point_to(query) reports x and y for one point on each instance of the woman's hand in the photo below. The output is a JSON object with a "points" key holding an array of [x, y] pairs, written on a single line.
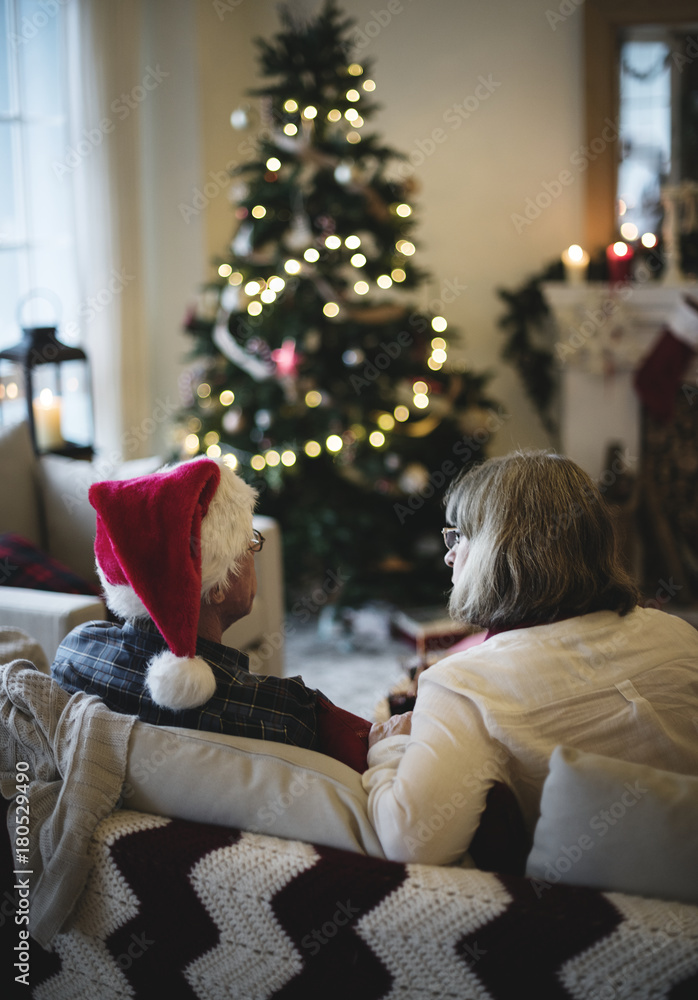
{"points": [[397, 725]]}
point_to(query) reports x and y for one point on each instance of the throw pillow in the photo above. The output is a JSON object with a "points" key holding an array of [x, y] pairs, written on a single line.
{"points": [[19, 497], [70, 517], [22, 564], [617, 826]]}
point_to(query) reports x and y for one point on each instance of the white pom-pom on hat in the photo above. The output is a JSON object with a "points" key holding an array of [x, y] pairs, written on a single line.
{"points": [[179, 682]]}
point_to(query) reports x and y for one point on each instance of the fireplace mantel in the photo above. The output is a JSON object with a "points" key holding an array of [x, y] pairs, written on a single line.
{"points": [[602, 333]]}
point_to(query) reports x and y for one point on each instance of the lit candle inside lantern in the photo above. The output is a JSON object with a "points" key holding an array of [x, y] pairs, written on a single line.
{"points": [[619, 257], [576, 262], [47, 421]]}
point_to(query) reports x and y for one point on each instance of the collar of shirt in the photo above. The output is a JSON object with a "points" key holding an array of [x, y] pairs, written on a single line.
{"points": [[225, 657]]}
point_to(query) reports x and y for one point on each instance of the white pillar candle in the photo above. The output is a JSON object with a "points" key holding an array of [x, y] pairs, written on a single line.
{"points": [[576, 262], [47, 421]]}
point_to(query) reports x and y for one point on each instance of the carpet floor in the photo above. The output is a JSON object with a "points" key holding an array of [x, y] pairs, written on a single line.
{"points": [[355, 671]]}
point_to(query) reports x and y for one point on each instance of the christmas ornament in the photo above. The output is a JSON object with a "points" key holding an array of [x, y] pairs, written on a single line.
{"points": [[286, 358]]}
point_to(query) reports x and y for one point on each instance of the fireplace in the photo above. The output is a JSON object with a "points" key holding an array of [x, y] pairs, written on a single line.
{"points": [[648, 468]]}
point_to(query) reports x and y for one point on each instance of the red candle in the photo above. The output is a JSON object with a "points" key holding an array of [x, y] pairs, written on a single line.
{"points": [[619, 258]]}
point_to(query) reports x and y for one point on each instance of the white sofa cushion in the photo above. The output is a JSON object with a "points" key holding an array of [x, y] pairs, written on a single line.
{"points": [[19, 499], [70, 518], [253, 785], [612, 825]]}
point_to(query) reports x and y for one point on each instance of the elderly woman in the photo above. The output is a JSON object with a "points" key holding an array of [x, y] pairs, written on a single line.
{"points": [[568, 658]]}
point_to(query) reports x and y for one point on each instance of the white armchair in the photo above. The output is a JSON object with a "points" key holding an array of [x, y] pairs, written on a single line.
{"points": [[44, 500]]}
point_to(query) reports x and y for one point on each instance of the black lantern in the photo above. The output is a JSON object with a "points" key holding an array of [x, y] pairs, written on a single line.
{"points": [[48, 384]]}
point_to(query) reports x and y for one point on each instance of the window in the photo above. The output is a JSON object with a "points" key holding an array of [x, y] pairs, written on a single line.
{"points": [[645, 134], [36, 206], [606, 24]]}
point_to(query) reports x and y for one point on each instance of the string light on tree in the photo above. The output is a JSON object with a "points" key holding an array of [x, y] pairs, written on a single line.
{"points": [[334, 443], [323, 223]]}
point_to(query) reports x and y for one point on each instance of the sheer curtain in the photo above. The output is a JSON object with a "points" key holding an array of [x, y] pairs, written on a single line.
{"points": [[105, 74]]}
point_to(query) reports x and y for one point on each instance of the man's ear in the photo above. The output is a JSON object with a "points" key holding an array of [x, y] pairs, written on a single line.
{"points": [[217, 595]]}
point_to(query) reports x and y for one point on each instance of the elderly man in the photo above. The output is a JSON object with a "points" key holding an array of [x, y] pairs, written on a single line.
{"points": [[175, 554]]}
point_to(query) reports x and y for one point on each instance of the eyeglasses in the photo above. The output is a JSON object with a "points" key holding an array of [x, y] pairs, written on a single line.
{"points": [[258, 541], [451, 537]]}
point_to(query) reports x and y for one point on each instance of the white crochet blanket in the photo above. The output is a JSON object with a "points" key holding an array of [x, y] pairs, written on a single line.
{"points": [[182, 910]]}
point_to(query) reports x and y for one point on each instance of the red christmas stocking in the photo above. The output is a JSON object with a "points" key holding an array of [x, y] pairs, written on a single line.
{"points": [[659, 375]]}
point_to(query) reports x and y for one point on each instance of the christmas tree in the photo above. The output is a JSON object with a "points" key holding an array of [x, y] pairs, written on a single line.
{"points": [[315, 375]]}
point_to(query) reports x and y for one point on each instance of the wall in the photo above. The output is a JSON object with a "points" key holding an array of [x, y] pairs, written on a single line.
{"points": [[514, 66]]}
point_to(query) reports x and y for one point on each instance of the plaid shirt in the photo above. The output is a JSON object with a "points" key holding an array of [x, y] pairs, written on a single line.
{"points": [[110, 660]]}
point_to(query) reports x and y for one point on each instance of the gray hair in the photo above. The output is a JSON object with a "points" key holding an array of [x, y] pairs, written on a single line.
{"points": [[542, 543]]}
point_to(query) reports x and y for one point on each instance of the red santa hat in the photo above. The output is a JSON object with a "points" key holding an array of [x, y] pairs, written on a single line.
{"points": [[163, 542]]}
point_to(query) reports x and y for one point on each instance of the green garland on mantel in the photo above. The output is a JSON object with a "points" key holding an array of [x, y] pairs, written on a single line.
{"points": [[529, 329], [527, 346]]}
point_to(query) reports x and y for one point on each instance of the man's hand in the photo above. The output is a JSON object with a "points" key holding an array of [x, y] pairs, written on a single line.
{"points": [[397, 725]]}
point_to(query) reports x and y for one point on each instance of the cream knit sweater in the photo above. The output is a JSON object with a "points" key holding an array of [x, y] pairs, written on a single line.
{"points": [[73, 750]]}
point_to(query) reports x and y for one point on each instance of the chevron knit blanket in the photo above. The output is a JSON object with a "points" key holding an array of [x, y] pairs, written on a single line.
{"points": [[182, 910]]}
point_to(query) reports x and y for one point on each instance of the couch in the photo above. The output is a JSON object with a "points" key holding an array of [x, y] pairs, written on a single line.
{"points": [[223, 867], [44, 503]]}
